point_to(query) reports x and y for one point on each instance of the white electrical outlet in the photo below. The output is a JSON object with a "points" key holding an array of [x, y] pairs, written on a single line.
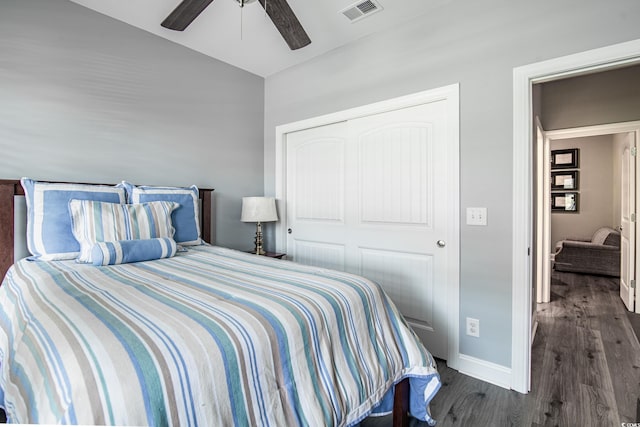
{"points": [[476, 216], [473, 327]]}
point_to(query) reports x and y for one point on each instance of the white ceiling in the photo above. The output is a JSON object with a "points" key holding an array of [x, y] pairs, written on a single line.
{"points": [[259, 48]]}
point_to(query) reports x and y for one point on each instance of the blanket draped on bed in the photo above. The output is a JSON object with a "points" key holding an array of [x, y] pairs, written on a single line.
{"points": [[211, 337]]}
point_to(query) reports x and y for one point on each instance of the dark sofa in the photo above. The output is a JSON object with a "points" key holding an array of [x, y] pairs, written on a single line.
{"points": [[600, 255]]}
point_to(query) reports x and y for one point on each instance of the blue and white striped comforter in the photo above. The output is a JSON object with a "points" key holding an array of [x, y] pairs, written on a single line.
{"points": [[212, 337]]}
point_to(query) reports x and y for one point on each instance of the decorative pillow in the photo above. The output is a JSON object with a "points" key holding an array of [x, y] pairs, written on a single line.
{"points": [[125, 251], [186, 219], [49, 235], [94, 222]]}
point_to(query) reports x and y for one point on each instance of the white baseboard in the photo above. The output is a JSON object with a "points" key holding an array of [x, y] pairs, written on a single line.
{"points": [[486, 371]]}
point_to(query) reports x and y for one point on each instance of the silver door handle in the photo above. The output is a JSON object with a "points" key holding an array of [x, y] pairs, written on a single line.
{"points": [[441, 243]]}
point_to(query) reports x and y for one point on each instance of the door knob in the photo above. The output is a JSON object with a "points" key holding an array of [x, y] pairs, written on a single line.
{"points": [[441, 243], [289, 230]]}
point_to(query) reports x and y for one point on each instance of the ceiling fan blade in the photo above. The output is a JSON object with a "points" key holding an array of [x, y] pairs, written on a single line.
{"points": [[184, 14], [287, 23]]}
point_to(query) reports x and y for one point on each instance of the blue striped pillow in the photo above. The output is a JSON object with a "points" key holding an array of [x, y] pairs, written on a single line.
{"points": [[94, 222], [49, 234], [186, 219], [125, 251]]}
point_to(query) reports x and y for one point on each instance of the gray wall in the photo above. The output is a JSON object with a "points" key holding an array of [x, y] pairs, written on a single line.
{"points": [[607, 97], [476, 44], [596, 186], [84, 97]]}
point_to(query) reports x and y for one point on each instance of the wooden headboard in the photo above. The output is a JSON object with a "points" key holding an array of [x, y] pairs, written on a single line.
{"points": [[10, 188]]}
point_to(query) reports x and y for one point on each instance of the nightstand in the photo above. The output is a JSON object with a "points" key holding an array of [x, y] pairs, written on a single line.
{"points": [[270, 254]]}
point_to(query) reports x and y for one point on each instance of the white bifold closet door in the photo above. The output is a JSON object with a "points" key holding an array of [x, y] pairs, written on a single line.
{"points": [[368, 196]]}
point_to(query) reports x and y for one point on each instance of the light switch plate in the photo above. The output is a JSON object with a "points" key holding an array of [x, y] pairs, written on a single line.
{"points": [[476, 216]]}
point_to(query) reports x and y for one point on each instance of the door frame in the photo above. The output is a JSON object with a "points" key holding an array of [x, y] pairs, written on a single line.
{"points": [[523, 78], [450, 94]]}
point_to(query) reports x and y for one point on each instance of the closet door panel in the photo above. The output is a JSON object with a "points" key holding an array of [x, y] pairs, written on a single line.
{"points": [[316, 196], [397, 212], [368, 196]]}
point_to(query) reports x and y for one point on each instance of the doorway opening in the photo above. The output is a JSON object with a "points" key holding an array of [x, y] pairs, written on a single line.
{"points": [[600, 187], [607, 58]]}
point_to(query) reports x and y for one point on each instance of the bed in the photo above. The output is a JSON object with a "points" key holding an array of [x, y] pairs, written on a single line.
{"points": [[208, 336]]}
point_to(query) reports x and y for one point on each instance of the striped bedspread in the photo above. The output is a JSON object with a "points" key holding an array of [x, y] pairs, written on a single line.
{"points": [[211, 337]]}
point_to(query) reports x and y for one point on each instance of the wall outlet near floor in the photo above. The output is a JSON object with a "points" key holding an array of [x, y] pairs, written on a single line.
{"points": [[473, 327]]}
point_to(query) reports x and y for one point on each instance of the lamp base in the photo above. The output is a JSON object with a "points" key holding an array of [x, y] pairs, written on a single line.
{"points": [[258, 249]]}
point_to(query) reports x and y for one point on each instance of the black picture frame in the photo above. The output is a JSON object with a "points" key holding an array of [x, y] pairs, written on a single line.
{"points": [[564, 180], [567, 201], [565, 159]]}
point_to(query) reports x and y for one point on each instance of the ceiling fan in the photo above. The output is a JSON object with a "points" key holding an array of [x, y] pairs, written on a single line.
{"points": [[278, 10]]}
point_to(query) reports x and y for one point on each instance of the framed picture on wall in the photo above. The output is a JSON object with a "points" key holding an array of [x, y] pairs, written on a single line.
{"points": [[564, 180], [564, 202], [564, 159]]}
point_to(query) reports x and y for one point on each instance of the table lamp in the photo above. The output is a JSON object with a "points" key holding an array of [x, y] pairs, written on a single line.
{"points": [[259, 210]]}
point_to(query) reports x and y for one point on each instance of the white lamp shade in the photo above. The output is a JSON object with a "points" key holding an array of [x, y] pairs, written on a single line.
{"points": [[258, 209]]}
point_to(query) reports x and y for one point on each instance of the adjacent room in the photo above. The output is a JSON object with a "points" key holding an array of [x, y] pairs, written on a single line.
{"points": [[587, 187], [279, 212]]}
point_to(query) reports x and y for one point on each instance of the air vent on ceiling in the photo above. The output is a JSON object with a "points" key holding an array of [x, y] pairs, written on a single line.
{"points": [[361, 9]]}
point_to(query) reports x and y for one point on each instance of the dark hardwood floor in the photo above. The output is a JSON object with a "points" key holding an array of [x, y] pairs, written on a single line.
{"points": [[585, 367]]}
